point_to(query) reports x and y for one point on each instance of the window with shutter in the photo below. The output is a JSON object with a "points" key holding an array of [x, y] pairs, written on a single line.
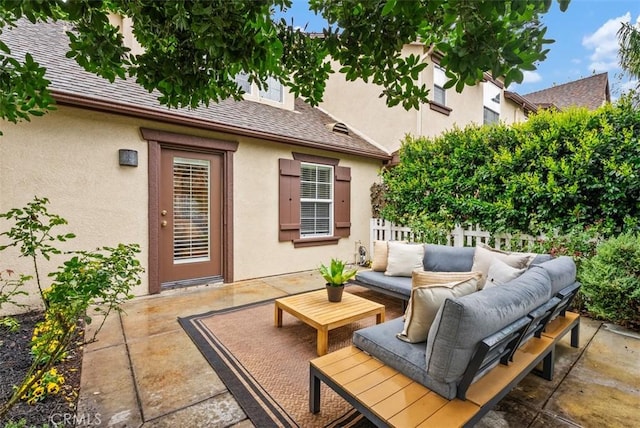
{"points": [[315, 199]]}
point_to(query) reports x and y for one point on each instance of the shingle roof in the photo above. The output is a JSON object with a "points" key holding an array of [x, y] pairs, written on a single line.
{"points": [[72, 85], [590, 92]]}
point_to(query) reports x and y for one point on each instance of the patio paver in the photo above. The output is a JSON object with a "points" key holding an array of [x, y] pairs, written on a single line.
{"points": [[594, 385]]}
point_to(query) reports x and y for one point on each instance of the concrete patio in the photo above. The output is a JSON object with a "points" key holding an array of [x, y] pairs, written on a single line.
{"points": [[144, 371]]}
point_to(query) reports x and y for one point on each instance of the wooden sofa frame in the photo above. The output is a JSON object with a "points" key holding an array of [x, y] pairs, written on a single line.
{"points": [[388, 398]]}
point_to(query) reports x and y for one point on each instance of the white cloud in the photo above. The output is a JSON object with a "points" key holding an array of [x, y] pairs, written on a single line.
{"points": [[531, 77], [628, 85], [604, 44]]}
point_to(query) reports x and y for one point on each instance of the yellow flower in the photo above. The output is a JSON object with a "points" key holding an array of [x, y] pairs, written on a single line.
{"points": [[38, 392], [53, 372], [31, 401], [52, 388]]}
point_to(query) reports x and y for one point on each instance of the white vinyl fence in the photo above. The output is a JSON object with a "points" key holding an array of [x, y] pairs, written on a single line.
{"points": [[383, 230]]}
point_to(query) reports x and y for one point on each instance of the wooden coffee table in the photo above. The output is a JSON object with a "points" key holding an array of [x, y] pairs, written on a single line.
{"points": [[314, 309]]}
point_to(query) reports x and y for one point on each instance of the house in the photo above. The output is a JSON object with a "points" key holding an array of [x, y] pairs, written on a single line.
{"points": [[238, 190], [590, 92], [486, 102]]}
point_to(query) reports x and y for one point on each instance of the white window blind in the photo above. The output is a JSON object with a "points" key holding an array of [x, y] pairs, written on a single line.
{"points": [[316, 200], [191, 216]]}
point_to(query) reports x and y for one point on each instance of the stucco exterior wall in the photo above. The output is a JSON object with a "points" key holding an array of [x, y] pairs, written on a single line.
{"points": [[466, 107], [257, 250], [71, 157], [511, 112], [357, 103]]}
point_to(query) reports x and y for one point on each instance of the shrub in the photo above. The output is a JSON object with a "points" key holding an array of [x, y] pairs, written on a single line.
{"points": [[103, 277], [611, 280], [558, 170]]}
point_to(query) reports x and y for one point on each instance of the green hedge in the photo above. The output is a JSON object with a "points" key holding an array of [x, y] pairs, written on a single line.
{"points": [[556, 171], [611, 280]]}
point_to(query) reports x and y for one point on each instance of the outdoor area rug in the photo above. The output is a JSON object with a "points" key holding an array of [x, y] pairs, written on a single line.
{"points": [[266, 368]]}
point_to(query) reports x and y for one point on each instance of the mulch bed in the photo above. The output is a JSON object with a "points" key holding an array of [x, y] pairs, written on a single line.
{"points": [[15, 361]]}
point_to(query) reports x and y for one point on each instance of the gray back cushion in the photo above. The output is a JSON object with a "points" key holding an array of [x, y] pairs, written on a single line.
{"points": [[541, 258], [463, 322], [443, 258], [562, 271]]}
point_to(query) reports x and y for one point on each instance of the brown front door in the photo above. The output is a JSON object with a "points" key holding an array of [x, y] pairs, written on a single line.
{"points": [[190, 216]]}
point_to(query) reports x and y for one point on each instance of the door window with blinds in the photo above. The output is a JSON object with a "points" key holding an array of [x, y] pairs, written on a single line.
{"points": [[316, 200], [191, 210]]}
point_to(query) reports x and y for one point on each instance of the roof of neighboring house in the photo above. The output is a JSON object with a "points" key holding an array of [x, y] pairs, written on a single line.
{"points": [[73, 86], [590, 92]]}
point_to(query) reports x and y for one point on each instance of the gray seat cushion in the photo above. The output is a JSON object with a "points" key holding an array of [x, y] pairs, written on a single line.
{"points": [[442, 258], [463, 322], [396, 284], [408, 358]]}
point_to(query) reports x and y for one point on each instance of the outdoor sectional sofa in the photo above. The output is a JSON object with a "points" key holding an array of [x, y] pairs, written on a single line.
{"points": [[502, 326]]}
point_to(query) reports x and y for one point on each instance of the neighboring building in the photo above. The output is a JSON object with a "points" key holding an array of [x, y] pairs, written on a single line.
{"points": [[234, 191], [591, 92], [359, 104]]}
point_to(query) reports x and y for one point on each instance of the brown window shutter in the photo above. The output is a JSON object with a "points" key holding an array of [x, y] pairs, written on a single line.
{"points": [[342, 201], [289, 204]]}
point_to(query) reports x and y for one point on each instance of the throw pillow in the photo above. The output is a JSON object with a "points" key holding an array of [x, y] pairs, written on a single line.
{"points": [[424, 305], [404, 258], [380, 254], [424, 277], [484, 256], [501, 273]]}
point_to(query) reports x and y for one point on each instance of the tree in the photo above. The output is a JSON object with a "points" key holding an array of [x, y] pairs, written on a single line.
{"points": [[194, 49], [629, 52]]}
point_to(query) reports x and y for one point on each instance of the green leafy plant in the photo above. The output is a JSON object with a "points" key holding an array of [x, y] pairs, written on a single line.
{"points": [[32, 234], [337, 274], [10, 288], [102, 278], [611, 280]]}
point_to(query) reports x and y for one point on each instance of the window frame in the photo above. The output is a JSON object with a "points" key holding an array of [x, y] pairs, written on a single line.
{"points": [[490, 93], [439, 79], [329, 201]]}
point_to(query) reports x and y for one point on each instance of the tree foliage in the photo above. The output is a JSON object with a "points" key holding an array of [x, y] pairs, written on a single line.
{"points": [[629, 52], [194, 49], [557, 171]]}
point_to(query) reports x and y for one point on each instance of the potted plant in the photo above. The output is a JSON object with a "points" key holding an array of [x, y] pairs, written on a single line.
{"points": [[336, 276]]}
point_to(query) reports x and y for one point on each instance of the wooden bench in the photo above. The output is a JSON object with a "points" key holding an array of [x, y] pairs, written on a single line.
{"points": [[388, 398]]}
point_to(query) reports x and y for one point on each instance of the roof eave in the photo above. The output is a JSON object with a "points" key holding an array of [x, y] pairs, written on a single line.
{"points": [[75, 100], [527, 105]]}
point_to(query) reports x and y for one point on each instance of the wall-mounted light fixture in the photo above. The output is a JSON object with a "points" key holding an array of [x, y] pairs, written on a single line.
{"points": [[128, 157]]}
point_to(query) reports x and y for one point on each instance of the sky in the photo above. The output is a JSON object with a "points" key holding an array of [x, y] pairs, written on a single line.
{"points": [[585, 42]]}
